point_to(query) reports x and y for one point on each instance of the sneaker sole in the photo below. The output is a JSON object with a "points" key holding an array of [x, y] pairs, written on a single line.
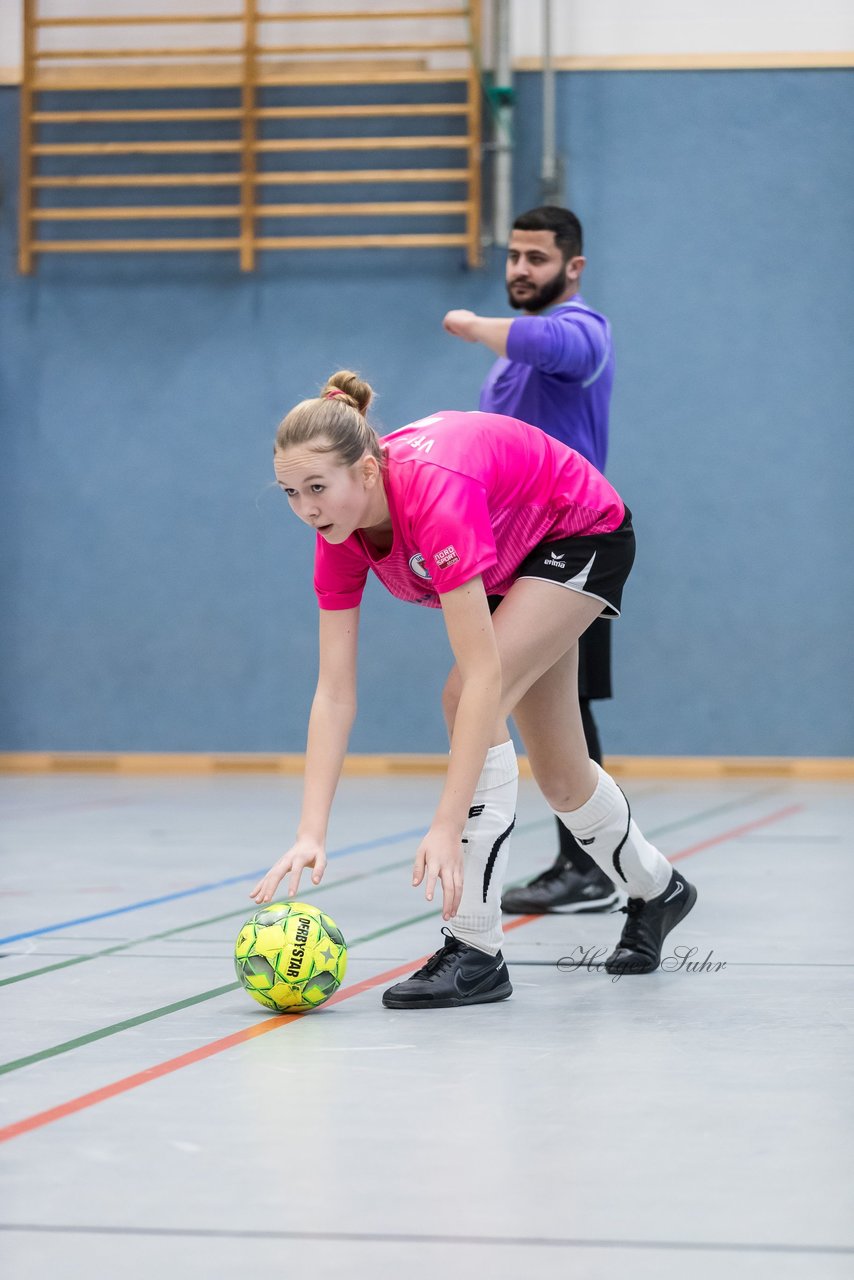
{"points": [[570, 909], [628, 970], [455, 1002]]}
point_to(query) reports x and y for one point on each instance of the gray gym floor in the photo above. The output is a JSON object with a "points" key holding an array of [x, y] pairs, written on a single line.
{"points": [[684, 1124]]}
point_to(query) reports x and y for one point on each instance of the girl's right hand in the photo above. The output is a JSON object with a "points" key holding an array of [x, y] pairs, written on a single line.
{"points": [[306, 852]]}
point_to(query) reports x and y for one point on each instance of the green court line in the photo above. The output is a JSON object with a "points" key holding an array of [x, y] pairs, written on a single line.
{"points": [[185, 928], [391, 866], [227, 915], [233, 986], [152, 1015], [141, 1018], [92, 1036], [712, 813]]}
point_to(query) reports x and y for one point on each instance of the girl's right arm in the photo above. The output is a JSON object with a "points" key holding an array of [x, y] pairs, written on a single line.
{"points": [[332, 713]]}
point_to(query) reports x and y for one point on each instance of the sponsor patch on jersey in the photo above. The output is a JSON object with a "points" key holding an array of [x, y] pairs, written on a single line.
{"points": [[445, 557], [416, 564]]}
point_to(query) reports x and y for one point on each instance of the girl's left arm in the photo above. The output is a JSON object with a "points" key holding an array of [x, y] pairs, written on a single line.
{"points": [[472, 640]]}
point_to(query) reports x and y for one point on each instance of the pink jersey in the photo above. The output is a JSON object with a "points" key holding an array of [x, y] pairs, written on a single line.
{"points": [[468, 494]]}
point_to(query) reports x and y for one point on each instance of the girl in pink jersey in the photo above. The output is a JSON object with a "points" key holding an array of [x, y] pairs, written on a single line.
{"points": [[521, 543]]}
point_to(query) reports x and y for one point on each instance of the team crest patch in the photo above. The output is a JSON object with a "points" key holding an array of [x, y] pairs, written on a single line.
{"points": [[446, 557], [416, 564]]}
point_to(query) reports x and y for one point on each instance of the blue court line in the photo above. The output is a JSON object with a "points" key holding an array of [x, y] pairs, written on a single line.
{"points": [[205, 888]]}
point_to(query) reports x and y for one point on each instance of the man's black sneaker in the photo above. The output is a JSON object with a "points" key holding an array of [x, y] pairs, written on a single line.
{"points": [[563, 889], [457, 974], [648, 924]]}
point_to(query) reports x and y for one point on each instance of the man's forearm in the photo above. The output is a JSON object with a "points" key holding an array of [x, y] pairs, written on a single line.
{"points": [[491, 331]]}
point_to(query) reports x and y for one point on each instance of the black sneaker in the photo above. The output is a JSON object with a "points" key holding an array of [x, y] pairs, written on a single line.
{"points": [[561, 889], [648, 924], [457, 974]]}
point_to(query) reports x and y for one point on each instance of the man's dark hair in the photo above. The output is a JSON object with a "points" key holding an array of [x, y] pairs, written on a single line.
{"points": [[563, 222]]}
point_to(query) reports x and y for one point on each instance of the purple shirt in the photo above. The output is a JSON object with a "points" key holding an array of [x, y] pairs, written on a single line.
{"points": [[558, 375]]}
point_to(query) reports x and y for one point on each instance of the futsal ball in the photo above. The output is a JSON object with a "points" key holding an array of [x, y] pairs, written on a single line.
{"points": [[290, 957]]}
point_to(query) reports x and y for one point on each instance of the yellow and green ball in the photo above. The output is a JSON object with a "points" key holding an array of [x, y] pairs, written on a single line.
{"points": [[290, 957]]}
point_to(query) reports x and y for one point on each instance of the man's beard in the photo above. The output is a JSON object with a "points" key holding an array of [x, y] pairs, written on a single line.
{"points": [[541, 298]]}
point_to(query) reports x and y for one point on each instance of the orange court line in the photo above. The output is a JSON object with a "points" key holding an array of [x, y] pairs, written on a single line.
{"points": [[737, 831], [207, 1050], [187, 1059], [85, 1100]]}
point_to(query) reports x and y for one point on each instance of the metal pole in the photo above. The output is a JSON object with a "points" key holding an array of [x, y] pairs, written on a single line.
{"points": [[502, 98], [550, 176]]}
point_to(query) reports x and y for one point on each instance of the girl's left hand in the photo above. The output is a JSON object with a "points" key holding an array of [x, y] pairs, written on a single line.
{"points": [[440, 857]]}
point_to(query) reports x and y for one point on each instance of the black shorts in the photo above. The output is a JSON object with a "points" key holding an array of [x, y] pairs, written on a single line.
{"points": [[596, 565]]}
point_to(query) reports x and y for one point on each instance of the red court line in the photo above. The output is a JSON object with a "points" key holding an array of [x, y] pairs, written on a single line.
{"points": [[274, 1023], [737, 831], [187, 1059]]}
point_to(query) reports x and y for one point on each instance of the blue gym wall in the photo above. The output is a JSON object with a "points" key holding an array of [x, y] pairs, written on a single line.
{"points": [[157, 592]]}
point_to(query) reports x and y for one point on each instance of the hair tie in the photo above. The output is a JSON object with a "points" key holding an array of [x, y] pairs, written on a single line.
{"points": [[336, 391]]}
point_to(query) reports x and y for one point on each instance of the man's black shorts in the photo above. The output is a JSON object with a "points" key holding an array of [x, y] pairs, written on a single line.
{"points": [[612, 555]]}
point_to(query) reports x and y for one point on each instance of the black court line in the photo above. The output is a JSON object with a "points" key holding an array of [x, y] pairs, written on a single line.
{"points": [[730, 964], [223, 1043], [791, 964], [387, 1237]]}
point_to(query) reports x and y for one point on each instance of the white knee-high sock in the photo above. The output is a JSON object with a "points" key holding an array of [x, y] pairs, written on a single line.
{"points": [[486, 847], [606, 830]]}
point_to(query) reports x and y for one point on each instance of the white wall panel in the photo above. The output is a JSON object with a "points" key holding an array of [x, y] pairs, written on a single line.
{"points": [[613, 28], [581, 28]]}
